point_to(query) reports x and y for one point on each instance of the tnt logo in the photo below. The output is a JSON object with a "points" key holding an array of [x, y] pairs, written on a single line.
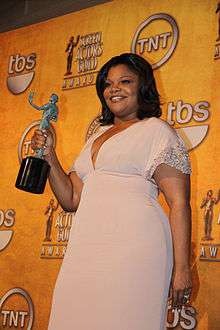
{"points": [[20, 70], [156, 39], [7, 220], [16, 310]]}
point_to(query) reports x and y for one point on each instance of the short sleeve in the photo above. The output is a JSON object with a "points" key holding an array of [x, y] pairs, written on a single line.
{"points": [[167, 148]]}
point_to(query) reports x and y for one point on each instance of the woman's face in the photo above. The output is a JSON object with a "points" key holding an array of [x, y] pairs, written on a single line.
{"points": [[121, 92]]}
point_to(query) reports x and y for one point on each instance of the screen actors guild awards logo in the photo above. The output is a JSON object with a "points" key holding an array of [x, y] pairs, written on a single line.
{"points": [[20, 72], [69, 50], [49, 212], [57, 231], [87, 48], [209, 246]]}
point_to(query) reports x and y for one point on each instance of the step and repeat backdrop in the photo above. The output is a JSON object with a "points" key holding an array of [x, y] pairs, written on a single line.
{"points": [[181, 39]]}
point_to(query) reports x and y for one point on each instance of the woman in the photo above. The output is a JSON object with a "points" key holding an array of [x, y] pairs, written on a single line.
{"points": [[119, 262]]}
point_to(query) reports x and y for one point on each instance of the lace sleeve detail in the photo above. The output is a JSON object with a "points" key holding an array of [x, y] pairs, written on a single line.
{"points": [[174, 156]]}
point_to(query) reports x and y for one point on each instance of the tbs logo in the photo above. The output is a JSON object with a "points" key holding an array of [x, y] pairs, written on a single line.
{"points": [[7, 220], [20, 72]]}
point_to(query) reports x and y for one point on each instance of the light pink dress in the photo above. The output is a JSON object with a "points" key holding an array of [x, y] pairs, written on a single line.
{"points": [[117, 269]]}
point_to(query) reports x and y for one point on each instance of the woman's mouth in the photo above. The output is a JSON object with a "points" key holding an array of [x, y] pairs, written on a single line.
{"points": [[116, 99]]}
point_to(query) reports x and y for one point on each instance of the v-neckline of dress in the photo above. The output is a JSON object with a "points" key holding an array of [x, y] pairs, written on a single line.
{"points": [[111, 137]]}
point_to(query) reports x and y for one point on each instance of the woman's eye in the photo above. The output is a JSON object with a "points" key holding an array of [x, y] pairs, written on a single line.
{"points": [[106, 84], [126, 81]]}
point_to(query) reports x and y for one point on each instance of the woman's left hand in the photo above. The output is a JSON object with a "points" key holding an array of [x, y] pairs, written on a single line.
{"points": [[181, 287]]}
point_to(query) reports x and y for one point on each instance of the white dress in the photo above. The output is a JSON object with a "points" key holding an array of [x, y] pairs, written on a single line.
{"points": [[117, 268]]}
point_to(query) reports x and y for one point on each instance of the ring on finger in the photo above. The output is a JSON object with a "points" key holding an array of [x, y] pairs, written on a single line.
{"points": [[187, 290]]}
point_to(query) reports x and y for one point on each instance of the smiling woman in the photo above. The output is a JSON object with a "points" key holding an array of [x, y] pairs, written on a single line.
{"points": [[123, 251], [139, 80], [120, 93]]}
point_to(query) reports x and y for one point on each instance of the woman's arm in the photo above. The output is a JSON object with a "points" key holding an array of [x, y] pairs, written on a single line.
{"points": [[67, 188], [175, 186]]}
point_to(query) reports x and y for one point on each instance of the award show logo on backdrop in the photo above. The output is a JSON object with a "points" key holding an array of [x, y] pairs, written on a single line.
{"points": [[24, 146], [20, 72], [10, 316], [57, 231], [81, 68], [210, 218], [69, 50], [217, 44], [156, 39], [184, 113], [7, 220], [185, 318]]}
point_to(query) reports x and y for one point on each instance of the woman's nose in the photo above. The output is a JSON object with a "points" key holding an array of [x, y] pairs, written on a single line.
{"points": [[115, 88]]}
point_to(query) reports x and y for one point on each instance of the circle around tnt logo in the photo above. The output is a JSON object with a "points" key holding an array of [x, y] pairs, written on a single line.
{"points": [[24, 146], [14, 316], [156, 39]]}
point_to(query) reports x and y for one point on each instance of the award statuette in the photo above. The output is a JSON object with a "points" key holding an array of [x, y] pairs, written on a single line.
{"points": [[34, 170]]}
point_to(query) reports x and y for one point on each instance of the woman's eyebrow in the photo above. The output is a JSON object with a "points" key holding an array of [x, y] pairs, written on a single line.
{"points": [[124, 76]]}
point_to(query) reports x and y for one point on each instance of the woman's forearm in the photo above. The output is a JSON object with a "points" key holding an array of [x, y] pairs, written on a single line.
{"points": [[60, 183], [180, 221]]}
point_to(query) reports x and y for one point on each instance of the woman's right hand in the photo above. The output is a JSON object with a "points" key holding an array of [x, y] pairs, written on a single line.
{"points": [[42, 139]]}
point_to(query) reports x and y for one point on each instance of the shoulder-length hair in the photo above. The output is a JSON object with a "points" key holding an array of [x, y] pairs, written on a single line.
{"points": [[148, 96]]}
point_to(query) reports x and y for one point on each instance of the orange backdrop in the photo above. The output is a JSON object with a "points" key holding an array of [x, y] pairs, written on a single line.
{"points": [[180, 39]]}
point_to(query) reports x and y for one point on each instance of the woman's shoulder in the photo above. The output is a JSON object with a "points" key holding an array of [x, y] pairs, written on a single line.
{"points": [[158, 125]]}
